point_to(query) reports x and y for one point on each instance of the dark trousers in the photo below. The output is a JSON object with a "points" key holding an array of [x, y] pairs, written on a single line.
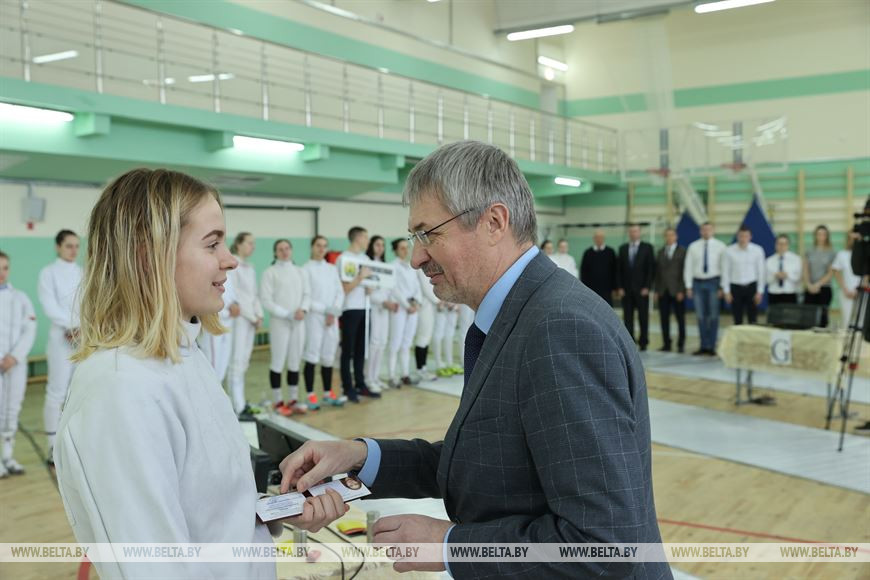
{"points": [[634, 301], [353, 345], [823, 298], [667, 304], [743, 300], [781, 299]]}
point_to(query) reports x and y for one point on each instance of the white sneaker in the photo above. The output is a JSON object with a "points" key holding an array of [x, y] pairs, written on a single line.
{"points": [[3, 471], [378, 384], [13, 467], [299, 407], [374, 388]]}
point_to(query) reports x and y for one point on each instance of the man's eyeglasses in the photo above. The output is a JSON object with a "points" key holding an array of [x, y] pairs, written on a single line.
{"points": [[422, 237]]}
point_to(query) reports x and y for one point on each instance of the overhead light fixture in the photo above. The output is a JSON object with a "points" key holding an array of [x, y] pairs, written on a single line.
{"points": [[258, 145], [568, 181], [726, 5], [549, 73], [433, 1], [154, 82], [55, 56], [384, 70], [9, 112], [209, 78], [553, 63], [540, 32]]}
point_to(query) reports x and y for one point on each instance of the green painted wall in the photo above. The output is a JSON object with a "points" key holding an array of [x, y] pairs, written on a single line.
{"points": [[785, 88]]}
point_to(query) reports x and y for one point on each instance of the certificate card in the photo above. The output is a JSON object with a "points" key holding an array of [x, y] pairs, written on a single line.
{"points": [[290, 504]]}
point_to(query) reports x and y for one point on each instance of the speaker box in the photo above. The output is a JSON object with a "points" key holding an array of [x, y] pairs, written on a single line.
{"points": [[795, 316]]}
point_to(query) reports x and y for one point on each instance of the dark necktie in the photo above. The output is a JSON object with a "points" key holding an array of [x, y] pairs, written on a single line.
{"points": [[705, 256], [632, 253], [473, 343], [781, 259]]}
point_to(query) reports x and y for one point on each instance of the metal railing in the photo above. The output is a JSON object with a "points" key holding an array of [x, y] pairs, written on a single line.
{"points": [[127, 51]]}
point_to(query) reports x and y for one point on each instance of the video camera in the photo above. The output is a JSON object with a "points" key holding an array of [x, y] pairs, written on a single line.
{"points": [[861, 246]]}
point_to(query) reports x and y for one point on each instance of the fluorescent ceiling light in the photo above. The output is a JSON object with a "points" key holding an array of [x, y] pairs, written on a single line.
{"points": [[155, 82], [9, 112], [726, 5], [433, 1], [553, 63], [540, 32], [569, 181], [265, 145], [209, 78], [386, 71], [55, 56]]}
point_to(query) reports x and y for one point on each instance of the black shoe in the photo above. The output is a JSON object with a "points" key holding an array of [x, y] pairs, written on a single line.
{"points": [[642, 347], [247, 415], [365, 392], [700, 351], [665, 348], [865, 428], [352, 396], [680, 349], [711, 352]]}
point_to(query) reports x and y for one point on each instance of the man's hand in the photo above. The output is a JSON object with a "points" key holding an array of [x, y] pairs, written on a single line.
{"points": [[413, 529], [299, 314], [689, 293], [392, 306], [317, 460], [259, 322], [680, 296], [851, 294], [620, 293], [330, 319], [412, 309], [720, 293], [319, 511], [729, 298], [363, 273], [644, 291], [813, 289], [757, 298]]}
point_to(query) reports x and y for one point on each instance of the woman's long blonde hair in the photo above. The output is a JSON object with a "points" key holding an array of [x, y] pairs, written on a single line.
{"points": [[129, 297]]}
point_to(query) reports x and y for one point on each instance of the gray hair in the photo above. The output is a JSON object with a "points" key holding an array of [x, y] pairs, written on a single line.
{"points": [[473, 175]]}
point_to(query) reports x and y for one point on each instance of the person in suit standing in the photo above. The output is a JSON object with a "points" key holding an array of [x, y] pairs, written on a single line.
{"points": [[635, 272], [598, 267], [671, 289], [534, 374]]}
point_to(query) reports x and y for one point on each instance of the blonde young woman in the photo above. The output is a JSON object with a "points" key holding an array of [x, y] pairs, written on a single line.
{"points": [[817, 271], [149, 449]]}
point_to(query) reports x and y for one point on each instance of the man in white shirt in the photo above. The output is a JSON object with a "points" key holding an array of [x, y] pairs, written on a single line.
{"points": [[848, 281], [743, 276], [783, 273], [702, 275], [563, 259]]}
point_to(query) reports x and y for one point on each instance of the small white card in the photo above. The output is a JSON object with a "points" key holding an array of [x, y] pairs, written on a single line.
{"points": [[290, 504]]}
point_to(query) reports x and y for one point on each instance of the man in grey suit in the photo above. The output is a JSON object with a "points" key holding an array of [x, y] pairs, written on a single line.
{"points": [[671, 289], [551, 441]]}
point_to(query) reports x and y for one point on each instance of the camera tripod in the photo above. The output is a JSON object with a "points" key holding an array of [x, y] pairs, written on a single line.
{"points": [[849, 360]]}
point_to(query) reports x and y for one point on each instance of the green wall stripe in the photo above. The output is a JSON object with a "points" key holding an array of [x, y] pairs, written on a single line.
{"points": [[224, 15], [785, 88]]}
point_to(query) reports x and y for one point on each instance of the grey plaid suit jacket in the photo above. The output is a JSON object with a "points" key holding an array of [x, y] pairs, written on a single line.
{"points": [[551, 441]]}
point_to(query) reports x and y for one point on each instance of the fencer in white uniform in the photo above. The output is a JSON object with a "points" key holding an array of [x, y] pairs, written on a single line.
{"points": [[565, 260], [425, 326], [17, 333], [149, 449], [218, 348], [286, 295], [379, 320], [403, 322], [321, 323], [442, 339], [244, 327], [58, 295]]}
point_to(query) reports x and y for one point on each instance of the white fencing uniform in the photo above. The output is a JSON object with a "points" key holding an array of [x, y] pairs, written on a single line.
{"points": [[566, 262], [403, 325], [244, 328], [17, 333], [466, 319], [843, 264], [218, 348], [379, 330], [150, 451], [327, 297], [442, 336], [426, 314], [59, 284], [284, 289]]}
